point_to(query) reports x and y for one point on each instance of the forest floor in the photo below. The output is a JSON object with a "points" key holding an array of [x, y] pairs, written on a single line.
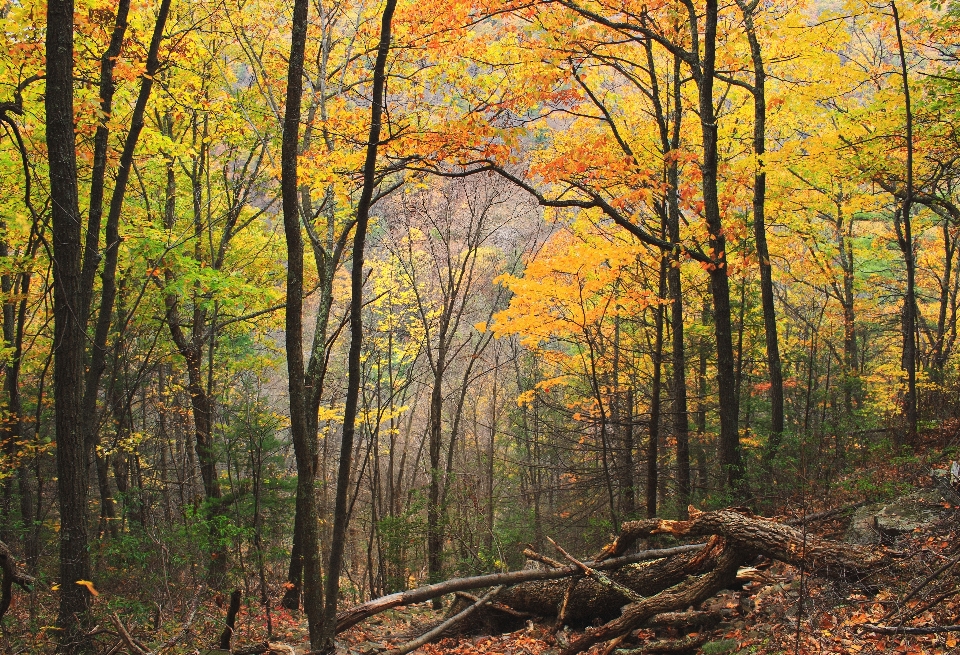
{"points": [[781, 611]]}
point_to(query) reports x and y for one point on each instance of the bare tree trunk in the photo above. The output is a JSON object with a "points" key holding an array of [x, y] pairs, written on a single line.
{"points": [[774, 366], [905, 239], [653, 448], [305, 558], [69, 329], [340, 516]]}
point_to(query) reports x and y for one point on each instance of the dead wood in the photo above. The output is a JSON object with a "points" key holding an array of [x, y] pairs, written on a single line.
{"points": [[448, 623], [909, 630], [690, 620], [530, 599], [589, 599], [665, 646], [493, 605], [692, 591], [11, 575], [232, 612], [762, 536]]}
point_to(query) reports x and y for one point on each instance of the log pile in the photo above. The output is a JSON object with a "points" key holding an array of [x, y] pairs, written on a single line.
{"points": [[645, 589]]}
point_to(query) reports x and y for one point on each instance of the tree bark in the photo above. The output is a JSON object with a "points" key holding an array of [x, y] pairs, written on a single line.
{"points": [[69, 329], [762, 536], [340, 517], [305, 559], [774, 366], [905, 238], [730, 458]]}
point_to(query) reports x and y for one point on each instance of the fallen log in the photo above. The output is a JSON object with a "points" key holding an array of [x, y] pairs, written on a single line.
{"points": [[692, 591], [762, 536], [690, 620], [522, 601], [585, 599], [666, 646]]}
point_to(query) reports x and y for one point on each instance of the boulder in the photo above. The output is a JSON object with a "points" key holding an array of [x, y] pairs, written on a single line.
{"points": [[875, 523]]}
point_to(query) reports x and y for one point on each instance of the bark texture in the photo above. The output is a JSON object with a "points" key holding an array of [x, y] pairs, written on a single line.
{"points": [[762, 536]]}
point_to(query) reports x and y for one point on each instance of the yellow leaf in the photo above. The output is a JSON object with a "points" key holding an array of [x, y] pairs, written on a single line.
{"points": [[480, 327], [89, 586]]}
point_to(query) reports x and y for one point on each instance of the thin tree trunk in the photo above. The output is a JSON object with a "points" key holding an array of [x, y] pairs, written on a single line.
{"points": [[340, 515], [731, 463], [653, 448], [906, 245], [305, 556], [774, 366]]}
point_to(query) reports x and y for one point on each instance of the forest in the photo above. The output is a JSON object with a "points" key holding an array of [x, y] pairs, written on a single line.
{"points": [[313, 310]]}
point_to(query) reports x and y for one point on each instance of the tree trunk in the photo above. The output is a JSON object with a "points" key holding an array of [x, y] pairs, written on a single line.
{"points": [[653, 448], [340, 516], [774, 366], [69, 331], [905, 238], [731, 463], [305, 558]]}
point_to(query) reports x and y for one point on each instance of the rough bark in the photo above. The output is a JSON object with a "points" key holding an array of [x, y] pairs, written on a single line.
{"points": [[69, 331], [692, 591], [359, 613], [341, 513], [774, 367], [305, 559], [762, 536], [10, 576]]}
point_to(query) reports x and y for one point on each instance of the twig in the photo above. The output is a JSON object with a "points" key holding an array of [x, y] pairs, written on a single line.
{"points": [[599, 577], [920, 586], [194, 604], [529, 553], [430, 635], [131, 644]]}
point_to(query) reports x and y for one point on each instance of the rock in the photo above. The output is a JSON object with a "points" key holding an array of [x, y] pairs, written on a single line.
{"points": [[947, 482], [863, 526], [873, 523]]}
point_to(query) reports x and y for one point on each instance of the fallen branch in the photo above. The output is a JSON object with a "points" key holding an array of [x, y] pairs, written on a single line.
{"points": [[665, 646], [500, 607], [824, 515], [432, 634], [131, 643], [596, 575], [194, 604], [907, 630], [681, 620]]}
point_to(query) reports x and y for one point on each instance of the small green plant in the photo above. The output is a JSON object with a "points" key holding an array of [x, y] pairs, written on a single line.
{"points": [[719, 647]]}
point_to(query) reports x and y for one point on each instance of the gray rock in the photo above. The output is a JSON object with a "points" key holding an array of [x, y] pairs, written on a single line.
{"points": [[947, 482], [863, 526], [871, 524]]}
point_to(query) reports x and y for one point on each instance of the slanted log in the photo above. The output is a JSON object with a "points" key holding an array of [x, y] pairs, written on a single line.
{"points": [[762, 536]]}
